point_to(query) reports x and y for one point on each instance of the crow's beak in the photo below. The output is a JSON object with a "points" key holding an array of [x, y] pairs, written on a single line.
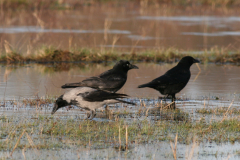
{"points": [[133, 66], [55, 108], [196, 61]]}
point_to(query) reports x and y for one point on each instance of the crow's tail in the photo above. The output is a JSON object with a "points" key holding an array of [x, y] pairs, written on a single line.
{"points": [[122, 101], [72, 85], [143, 85]]}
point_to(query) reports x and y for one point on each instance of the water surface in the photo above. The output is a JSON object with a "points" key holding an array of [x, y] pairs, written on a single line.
{"points": [[155, 150], [120, 28], [40, 80]]}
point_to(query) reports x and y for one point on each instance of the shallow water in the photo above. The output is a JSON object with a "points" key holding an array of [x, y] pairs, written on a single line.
{"points": [[131, 28], [148, 150], [155, 150], [212, 81], [32, 79]]}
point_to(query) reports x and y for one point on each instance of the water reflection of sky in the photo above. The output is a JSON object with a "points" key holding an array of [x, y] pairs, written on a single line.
{"points": [[150, 150], [234, 33], [104, 28], [192, 18], [34, 29], [25, 82]]}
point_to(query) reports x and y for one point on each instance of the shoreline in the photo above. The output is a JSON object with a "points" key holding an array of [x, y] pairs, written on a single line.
{"points": [[52, 55]]}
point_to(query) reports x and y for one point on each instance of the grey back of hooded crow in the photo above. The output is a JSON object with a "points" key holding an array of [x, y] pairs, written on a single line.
{"points": [[111, 80], [89, 99], [174, 80]]}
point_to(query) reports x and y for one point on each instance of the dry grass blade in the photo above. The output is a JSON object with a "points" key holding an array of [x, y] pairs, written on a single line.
{"points": [[119, 138], [198, 72], [197, 76], [229, 156], [198, 67], [115, 39], [23, 150], [7, 46], [126, 137], [10, 134], [225, 114], [17, 142], [166, 107], [133, 47], [31, 143], [144, 104], [107, 25], [174, 150], [70, 42], [192, 149], [147, 111], [40, 22]]}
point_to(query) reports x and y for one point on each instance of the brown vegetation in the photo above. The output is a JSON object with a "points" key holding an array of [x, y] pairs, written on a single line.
{"points": [[96, 56], [74, 4]]}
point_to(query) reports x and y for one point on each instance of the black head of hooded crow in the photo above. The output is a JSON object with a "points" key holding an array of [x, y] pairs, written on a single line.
{"points": [[174, 80], [111, 80], [60, 102]]}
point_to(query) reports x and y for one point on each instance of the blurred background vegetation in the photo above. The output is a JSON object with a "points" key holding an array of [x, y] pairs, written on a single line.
{"points": [[75, 4]]}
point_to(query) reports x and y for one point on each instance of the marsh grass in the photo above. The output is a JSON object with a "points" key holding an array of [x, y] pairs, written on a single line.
{"points": [[47, 132], [170, 55], [29, 102], [219, 111], [128, 128], [38, 101]]}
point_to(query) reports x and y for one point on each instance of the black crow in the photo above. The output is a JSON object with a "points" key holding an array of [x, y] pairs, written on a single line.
{"points": [[89, 99], [174, 80], [111, 80]]}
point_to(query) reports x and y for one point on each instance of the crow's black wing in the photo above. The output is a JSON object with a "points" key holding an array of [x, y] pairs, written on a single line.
{"points": [[72, 85], [99, 95], [109, 81], [158, 82], [174, 77], [114, 75]]}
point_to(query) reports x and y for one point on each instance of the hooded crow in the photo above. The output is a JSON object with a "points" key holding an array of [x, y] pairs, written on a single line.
{"points": [[111, 80], [174, 80], [89, 99]]}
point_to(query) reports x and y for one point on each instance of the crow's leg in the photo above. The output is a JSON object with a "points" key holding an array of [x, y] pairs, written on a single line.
{"points": [[93, 114], [107, 110], [173, 102], [89, 113], [173, 98]]}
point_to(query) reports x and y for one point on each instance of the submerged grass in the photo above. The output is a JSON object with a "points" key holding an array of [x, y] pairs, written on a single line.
{"points": [[96, 55], [47, 132]]}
